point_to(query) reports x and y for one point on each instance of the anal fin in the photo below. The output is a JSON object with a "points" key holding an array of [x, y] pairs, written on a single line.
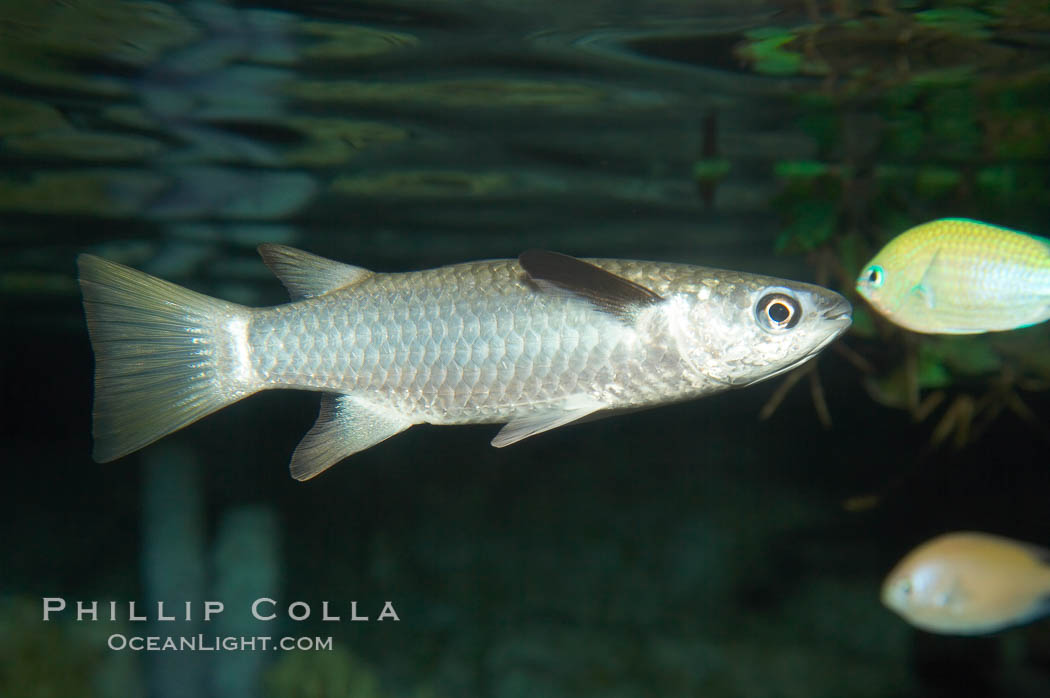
{"points": [[346, 425], [574, 408]]}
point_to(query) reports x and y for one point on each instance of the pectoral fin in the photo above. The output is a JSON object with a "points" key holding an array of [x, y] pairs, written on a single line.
{"points": [[576, 407], [923, 295], [345, 426], [924, 289], [306, 275], [554, 272]]}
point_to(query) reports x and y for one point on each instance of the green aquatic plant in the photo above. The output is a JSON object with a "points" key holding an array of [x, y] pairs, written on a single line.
{"points": [[337, 673], [60, 658], [340, 41], [1017, 132], [959, 21], [332, 141], [38, 41], [96, 192], [809, 203], [767, 51], [711, 169], [1012, 183], [921, 113], [442, 183], [21, 117], [463, 93], [84, 145], [809, 226], [934, 182], [896, 45], [951, 126]]}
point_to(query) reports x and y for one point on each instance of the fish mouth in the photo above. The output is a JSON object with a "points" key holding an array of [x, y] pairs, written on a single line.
{"points": [[841, 309], [841, 315]]}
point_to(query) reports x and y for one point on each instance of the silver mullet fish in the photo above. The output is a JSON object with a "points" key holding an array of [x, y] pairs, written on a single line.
{"points": [[536, 342]]}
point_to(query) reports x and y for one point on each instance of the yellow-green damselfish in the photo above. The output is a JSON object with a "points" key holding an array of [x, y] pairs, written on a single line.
{"points": [[959, 276]]}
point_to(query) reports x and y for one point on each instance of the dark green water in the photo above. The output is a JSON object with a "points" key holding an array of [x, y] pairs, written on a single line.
{"points": [[694, 550]]}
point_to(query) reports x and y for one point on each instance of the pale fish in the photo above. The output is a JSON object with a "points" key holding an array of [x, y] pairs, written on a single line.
{"points": [[536, 342], [958, 276], [970, 584]]}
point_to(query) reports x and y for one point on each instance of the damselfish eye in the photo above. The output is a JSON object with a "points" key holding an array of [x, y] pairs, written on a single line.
{"points": [[777, 312], [874, 276], [898, 593]]}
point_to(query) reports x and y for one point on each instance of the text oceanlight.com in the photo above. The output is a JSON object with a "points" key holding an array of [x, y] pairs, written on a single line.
{"points": [[216, 643]]}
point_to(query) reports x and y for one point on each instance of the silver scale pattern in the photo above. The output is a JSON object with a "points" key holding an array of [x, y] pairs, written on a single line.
{"points": [[469, 343]]}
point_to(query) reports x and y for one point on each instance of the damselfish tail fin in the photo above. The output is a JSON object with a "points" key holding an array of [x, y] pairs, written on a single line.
{"points": [[165, 356]]}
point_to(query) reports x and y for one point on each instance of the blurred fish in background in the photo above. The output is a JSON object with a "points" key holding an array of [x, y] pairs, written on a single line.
{"points": [[970, 583]]}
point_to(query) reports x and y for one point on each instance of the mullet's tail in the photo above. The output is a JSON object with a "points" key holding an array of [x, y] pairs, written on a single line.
{"points": [[165, 356]]}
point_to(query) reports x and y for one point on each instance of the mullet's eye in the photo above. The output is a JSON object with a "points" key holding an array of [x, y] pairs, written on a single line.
{"points": [[778, 311], [874, 276]]}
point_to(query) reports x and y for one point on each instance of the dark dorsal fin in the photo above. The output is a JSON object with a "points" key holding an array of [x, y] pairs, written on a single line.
{"points": [[306, 275], [551, 271]]}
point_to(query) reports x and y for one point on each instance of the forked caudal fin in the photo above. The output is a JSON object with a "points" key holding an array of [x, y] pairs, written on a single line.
{"points": [[165, 356]]}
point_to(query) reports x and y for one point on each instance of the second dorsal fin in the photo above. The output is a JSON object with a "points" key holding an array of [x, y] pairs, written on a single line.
{"points": [[307, 275]]}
